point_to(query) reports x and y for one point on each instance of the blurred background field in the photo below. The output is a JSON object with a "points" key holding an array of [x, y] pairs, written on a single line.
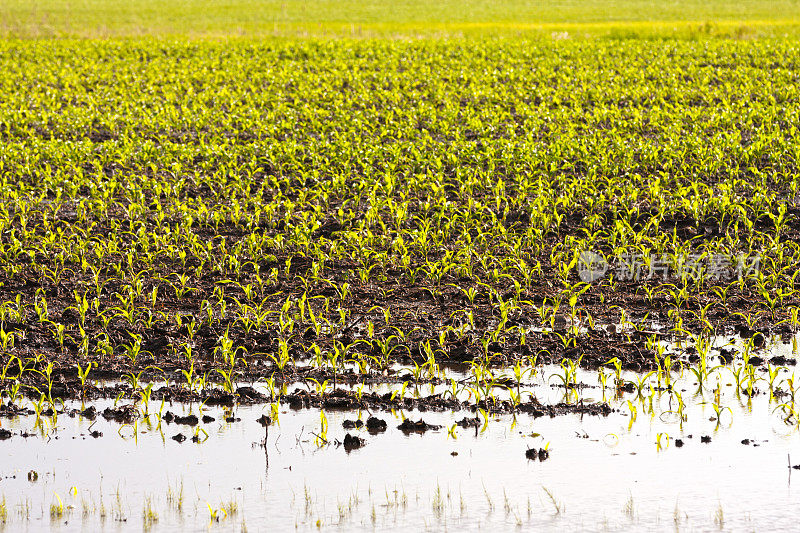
{"points": [[400, 19]]}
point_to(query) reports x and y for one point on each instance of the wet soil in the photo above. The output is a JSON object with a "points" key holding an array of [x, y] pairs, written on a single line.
{"points": [[420, 311]]}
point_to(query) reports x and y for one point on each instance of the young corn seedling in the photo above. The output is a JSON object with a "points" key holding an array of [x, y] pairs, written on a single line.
{"points": [[83, 373], [133, 349], [617, 364], [282, 359], [322, 438]]}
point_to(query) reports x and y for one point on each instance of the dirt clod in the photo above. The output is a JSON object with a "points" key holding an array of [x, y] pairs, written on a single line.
{"points": [[352, 442], [534, 454], [469, 422], [420, 426], [188, 420], [90, 412], [376, 425], [124, 414]]}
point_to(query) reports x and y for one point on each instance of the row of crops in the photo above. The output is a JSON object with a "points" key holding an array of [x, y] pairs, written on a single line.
{"points": [[226, 210]]}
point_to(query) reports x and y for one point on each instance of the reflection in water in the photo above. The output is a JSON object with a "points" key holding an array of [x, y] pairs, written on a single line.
{"points": [[662, 459]]}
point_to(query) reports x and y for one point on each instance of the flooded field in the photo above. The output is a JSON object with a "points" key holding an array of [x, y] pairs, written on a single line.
{"points": [[657, 458], [433, 283]]}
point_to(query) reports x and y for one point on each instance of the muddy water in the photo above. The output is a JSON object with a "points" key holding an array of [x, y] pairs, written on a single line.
{"points": [[603, 473]]}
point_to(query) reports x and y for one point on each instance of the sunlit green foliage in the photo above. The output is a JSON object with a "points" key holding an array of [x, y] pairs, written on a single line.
{"points": [[364, 202]]}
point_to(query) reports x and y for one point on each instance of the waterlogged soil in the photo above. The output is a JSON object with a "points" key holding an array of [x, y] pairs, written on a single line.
{"points": [[419, 313], [591, 348], [335, 400], [422, 311], [549, 341]]}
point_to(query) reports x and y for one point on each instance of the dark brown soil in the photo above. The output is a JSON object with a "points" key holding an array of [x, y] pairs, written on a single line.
{"points": [[420, 311]]}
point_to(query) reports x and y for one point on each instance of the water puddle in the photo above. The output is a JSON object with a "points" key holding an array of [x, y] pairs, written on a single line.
{"points": [[659, 459]]}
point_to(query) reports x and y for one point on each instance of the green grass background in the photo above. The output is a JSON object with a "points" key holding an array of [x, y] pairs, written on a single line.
{"points": [[404, 18]]}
